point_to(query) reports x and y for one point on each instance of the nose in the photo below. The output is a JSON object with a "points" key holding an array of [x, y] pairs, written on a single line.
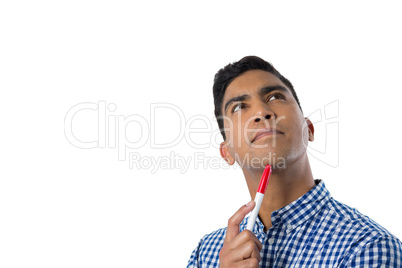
{"points": [[258, 118], [262, 113]]}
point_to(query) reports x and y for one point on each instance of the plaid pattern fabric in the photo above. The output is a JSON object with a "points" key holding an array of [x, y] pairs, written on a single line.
{"points": [[313, 231]]}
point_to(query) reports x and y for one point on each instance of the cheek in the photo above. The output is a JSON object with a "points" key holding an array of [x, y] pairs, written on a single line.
{"points": [[305, 133], [301, 132], [238, 126], [297, 129], [233, 134]]}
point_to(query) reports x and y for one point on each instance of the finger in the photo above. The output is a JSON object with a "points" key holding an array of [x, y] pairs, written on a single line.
{"points": [[236, 219], [245, 251], [252, 262], [243, 237]]}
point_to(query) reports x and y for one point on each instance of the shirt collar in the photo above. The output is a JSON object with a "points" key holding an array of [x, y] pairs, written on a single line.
{"points": [[300, 210]]}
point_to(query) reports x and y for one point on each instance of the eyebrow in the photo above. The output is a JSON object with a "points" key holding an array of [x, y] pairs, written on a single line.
{"points": [[263, 91]]}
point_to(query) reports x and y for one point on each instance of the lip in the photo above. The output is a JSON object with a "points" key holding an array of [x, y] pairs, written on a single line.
{"points": [[266, 132]]}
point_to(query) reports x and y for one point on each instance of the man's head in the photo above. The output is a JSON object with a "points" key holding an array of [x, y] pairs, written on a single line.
{"points": [[227, 74], [251, 97]]}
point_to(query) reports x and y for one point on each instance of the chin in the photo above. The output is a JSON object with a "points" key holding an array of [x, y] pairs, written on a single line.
{"points": [[261, 158]]}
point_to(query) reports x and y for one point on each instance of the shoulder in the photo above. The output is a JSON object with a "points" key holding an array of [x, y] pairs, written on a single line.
{"points": [[206, 254], [352, 219], [213, 240], [366, 240], [384, 251]]}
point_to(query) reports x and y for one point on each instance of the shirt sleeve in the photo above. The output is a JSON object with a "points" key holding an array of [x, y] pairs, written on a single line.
{"points": [[193, 262], [384, 252]]}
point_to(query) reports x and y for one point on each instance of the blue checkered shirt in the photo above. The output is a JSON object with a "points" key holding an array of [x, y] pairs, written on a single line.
{"points": [[313, 231]]}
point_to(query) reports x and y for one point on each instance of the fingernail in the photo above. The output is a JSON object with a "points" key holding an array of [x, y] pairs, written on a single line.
{"points": [[249, 203]]}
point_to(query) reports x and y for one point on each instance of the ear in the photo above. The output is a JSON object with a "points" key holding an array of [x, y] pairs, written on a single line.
{"points": [[310, 129], [223, 149]]}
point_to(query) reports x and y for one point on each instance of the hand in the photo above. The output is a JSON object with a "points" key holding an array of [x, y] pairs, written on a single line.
{"points": [[240, 249]]}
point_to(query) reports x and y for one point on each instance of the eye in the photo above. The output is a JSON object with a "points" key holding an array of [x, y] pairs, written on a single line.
{"points": [[276, 95], [237, 107]]}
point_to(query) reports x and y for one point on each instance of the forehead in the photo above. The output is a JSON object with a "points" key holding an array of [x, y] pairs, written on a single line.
{"points": [[250, 82]]}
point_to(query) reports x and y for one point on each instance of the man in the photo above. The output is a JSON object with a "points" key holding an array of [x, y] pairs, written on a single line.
{"points": [[299, 223]]}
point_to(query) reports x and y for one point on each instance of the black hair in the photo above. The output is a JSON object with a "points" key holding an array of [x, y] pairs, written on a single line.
{"points": [[228, 73]]}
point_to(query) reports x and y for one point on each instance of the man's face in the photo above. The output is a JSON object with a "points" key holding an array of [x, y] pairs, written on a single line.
{"points": [[255, 103]]}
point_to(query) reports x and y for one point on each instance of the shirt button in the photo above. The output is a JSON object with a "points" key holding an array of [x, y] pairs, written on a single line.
{"points": [[271, 241]]}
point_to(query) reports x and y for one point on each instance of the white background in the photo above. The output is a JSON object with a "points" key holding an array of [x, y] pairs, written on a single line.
{"points": [[62, 206]]}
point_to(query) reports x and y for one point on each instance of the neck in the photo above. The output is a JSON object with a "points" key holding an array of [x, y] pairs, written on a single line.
{"points": [[285, 186]]}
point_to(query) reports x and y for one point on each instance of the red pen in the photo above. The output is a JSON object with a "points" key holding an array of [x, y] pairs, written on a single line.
{"points": [[259, 196]]}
